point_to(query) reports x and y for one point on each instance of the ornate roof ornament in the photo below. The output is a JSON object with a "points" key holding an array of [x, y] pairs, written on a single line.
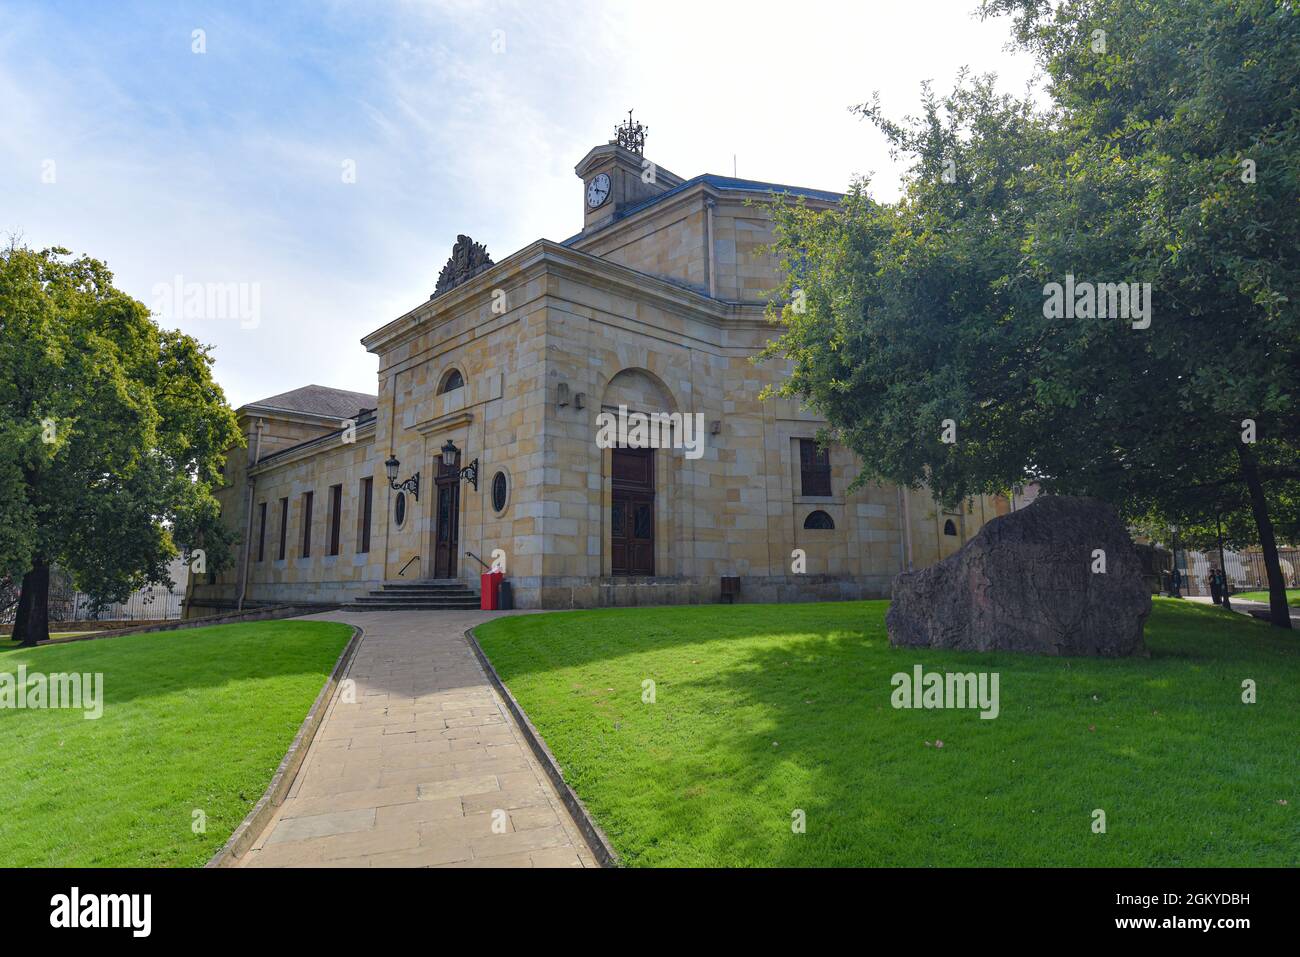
{"points": [[468, 259], [631, 136]]}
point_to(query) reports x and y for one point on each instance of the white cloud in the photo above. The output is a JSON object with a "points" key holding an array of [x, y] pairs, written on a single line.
{"points": [[227, 166]]}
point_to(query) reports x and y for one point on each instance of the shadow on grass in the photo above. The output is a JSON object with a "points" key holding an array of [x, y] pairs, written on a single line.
{"points": [[1148, 734], [1185, 630], [768, 710]]}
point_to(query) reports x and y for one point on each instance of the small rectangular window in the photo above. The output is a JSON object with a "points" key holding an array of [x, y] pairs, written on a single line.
{"points": [[261, 532], [814, 468], [284, 527], [306, 523], [367, 497], [336, 516]]}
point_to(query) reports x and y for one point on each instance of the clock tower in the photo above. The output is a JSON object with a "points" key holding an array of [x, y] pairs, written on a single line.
{"points": [[617, 175]]}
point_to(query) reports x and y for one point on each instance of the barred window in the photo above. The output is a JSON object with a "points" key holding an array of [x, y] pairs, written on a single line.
{"points": [[814, 468]]}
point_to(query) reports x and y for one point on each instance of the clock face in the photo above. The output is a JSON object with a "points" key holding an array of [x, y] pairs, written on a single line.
{"points": [[598, 190]]}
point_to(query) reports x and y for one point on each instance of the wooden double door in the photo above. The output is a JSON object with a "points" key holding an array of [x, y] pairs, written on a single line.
{"points": [[632, 512], [446, 519]]}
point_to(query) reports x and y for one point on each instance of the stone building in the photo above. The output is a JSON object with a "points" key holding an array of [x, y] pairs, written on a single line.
{"points": [[488, 411]]}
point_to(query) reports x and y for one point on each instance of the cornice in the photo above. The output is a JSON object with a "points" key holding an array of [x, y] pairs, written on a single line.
{"points": [[290, 415], [546, 257], [312, 447]]}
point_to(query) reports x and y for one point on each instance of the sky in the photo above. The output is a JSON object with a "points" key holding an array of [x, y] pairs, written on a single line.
{"points": [[279, 179]]}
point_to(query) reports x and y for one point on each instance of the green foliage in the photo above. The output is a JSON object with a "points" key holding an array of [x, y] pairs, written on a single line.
{"points": [[932, 308], [112, 431]]}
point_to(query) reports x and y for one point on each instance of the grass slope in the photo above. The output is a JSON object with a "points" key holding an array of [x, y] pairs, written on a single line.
{"points": [[1292, 596], [765, 709], [193, 720]]}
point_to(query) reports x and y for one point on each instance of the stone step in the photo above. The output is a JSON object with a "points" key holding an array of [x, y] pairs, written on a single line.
{"points": [[419, 594], [409, 589], [432, 596], [398, 592], [422, 595], [360, 605], [425, 583]]}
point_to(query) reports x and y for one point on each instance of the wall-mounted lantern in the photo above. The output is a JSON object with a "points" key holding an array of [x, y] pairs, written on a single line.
{"points": [[411, 485], [469, 473]]}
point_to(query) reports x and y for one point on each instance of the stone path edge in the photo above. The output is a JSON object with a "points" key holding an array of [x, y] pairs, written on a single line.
{"points": [[604, 852], [257, 819]]}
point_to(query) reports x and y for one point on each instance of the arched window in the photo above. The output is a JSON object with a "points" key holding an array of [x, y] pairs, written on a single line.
{"points": [[949, 528], [818, 520], [451, 381]]}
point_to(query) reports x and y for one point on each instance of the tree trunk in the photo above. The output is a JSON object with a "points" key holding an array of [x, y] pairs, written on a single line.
{"points": [[38, 613], [24, 608], [1279, 613], [1224, 582]]}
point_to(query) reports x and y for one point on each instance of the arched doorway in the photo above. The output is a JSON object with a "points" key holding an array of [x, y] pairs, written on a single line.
{"points": [[638, 481]]}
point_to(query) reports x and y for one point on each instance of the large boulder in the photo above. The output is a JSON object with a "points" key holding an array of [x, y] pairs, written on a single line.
{"points": [[1027, 582]]}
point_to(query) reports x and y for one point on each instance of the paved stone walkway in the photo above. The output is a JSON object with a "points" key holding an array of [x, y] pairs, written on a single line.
{"points": [[1243, 607], [426, 769]]}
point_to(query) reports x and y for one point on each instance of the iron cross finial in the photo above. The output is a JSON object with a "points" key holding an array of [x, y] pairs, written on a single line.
{"points": [[631, 136]]}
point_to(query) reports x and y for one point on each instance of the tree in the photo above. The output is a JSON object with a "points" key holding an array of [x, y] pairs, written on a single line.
{"points": [[112, 436], [943, 307]]}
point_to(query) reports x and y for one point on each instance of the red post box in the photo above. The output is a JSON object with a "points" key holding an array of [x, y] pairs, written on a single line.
{"points": [[490, 595]]}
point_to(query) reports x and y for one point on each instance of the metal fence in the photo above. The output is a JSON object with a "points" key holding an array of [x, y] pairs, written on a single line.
{"points": [[154, 603], [1245, 570]]}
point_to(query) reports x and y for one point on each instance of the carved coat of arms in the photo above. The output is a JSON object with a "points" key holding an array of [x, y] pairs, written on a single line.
{"points": [[468, 259]]}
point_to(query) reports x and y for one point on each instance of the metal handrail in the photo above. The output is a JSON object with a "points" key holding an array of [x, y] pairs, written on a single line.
{"points": [[414, 558], [477, 559]]}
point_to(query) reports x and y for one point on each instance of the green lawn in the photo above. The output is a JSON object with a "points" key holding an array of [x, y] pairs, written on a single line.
{"points": [[761, 710], [1292, 596], [192, 720]]}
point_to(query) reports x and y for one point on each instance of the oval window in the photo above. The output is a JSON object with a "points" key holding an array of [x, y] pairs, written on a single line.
{"points": [[399, 508], [818, 520], [499, 489]]}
